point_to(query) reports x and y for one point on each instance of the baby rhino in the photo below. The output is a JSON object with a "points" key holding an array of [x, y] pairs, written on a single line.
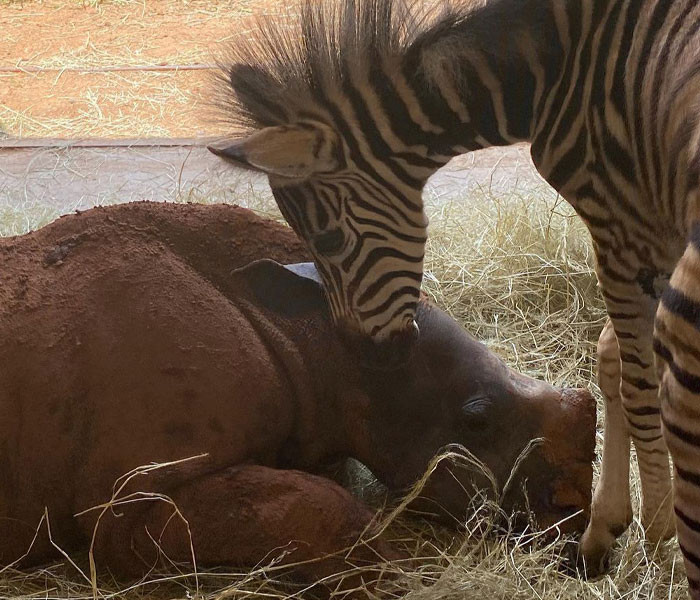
{"points": [[129, 339]]}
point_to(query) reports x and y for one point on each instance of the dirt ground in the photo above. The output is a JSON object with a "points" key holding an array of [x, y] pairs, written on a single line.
{"points": [[72, 39]]}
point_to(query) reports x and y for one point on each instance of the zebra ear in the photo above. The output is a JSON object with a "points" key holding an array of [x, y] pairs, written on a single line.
{"points": [[290, 291], [284, 151]]}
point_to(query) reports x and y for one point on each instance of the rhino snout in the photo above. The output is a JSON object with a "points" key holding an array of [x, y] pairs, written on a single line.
{"points": [[571, 430], [561, 472]]}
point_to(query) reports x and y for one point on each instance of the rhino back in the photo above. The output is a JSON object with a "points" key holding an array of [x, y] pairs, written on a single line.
{"points": [[119, 350]]}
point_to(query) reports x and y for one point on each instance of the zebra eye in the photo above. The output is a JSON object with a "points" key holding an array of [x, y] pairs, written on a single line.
{"points": [[329, 242]]}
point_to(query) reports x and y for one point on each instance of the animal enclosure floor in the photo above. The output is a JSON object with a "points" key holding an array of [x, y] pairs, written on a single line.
{"points": [[72, 39]]}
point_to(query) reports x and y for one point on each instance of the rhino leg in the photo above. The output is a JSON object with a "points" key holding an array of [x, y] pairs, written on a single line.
{"points": [[611, 512], [246, 516]]}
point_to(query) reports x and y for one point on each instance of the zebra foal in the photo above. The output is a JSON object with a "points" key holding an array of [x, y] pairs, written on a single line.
{"points": [[352, 111]]}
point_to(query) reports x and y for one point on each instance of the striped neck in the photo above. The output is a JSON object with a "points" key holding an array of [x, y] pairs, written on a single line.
{"points": [[483, 80]]}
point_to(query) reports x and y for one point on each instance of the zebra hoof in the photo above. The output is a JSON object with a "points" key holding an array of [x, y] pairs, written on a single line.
{"points": [[593, 563]]}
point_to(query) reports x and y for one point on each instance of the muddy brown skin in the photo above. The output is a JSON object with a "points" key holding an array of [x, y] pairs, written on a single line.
{"points": [[129, 339]]}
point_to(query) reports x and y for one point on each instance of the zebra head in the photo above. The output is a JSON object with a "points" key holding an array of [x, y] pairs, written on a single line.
{"points": [[364, 225], [349, 109]]}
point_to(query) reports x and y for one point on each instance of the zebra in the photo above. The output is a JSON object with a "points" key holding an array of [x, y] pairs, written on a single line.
{"points": [[350, 111]]}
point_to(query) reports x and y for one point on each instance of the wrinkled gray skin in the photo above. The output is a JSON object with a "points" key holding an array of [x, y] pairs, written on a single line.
{"points": [[126, 345]]}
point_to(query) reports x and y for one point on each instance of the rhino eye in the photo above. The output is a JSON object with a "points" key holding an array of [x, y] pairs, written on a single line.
{"points": [[475, 411], [329, 242]]}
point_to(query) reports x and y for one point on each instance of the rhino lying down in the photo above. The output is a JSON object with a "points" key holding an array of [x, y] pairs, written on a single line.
{"points": [[128, 338]]}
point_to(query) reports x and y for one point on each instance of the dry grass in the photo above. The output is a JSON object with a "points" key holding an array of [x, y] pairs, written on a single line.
{"points": [[110, 105], [518, 274]]}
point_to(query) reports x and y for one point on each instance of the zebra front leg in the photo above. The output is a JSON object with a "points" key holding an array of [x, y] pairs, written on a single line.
{"points": [[632, 315], [677, 344], [631, 312], [611, 512], [641, 404]]}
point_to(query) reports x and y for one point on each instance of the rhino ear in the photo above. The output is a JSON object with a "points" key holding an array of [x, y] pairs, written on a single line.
{"points": [[284, 151], [306, 270], [290, 291]]}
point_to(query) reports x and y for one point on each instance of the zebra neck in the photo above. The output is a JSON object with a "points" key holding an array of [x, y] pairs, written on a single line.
{"points": [[484, 79]]}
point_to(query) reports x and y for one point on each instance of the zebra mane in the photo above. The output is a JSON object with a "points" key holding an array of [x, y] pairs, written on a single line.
{"points": [[278, 72]]}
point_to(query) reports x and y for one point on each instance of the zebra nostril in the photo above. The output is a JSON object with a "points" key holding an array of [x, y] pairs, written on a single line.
{"points": [[413, 331], [389, 354], [406, 336]]}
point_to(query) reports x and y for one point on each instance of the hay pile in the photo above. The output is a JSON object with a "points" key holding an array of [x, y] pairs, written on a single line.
{"points": [[518, 274]]}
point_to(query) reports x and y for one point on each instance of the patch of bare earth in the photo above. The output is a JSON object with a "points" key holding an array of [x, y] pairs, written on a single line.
{"points": [[69, 36]]}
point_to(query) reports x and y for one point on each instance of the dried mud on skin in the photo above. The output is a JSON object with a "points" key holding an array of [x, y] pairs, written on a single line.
{"points": [[239, 515]]}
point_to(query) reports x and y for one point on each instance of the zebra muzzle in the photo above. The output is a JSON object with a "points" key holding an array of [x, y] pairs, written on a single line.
{"points": [[383, 355]]}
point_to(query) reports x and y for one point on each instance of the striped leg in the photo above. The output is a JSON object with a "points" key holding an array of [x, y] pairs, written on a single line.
{"points": [[611, 512], [631, 314], [641, 404], [642, 409], [677, 345]]}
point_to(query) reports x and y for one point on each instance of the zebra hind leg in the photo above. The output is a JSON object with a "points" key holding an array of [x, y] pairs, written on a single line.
{"points": [[677, 344], [611, 512]]}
